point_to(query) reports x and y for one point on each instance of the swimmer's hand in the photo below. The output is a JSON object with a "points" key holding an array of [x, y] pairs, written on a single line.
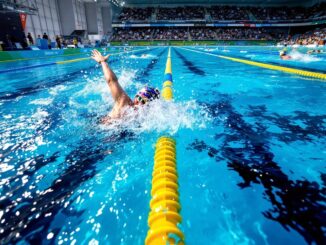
{"points": [[98, 57]]}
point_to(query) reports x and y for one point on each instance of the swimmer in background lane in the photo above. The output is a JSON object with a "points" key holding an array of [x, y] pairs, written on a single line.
{"points": [[316, 51], [120, 97], [284, 55]]}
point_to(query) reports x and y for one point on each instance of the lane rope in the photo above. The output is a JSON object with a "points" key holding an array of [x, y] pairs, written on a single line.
{"points": [[164, 217], [300, 72]]}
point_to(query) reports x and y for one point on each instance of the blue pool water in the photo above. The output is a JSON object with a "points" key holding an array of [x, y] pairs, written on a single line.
{"points": [[250, 143]]}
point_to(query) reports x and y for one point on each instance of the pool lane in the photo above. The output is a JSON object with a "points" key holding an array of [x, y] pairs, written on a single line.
{"points": [[73, 160], [300, 60], [307, 72], [60, 61], [242, 173]]}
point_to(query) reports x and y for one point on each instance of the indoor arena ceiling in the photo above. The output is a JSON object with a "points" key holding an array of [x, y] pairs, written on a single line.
{"points": [[202, 2], [212, 2]]}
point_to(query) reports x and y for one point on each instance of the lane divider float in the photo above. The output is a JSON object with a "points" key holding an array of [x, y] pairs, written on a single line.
{"points": [[167, 93], [164, 217], [300, 72]]}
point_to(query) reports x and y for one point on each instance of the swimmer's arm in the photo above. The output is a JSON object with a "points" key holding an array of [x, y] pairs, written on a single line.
{"points": [[118, 94]]}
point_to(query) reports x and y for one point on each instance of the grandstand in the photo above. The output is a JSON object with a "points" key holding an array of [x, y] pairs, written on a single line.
{"points": [[221, 21]]}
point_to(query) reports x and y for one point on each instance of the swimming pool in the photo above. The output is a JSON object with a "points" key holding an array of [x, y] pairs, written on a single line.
{"points": [[250, 150]]}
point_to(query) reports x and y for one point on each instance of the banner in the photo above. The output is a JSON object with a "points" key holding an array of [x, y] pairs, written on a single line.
{"points": [[23, 17], [216, 23]]}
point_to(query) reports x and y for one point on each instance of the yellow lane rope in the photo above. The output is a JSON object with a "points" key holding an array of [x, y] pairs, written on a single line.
{"points": [[164, 216], [268, 66]]}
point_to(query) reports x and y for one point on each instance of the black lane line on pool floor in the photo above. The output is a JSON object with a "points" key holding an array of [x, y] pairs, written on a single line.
{"points": [[15, 69], [144, 73], [50, 82], [190, 65], [263, 62], [255, 164]]}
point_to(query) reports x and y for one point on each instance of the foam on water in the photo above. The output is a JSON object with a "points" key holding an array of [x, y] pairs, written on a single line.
{"points": [[42, 101], [143, 56], [161, 116], [297, 56], [97, 93]]}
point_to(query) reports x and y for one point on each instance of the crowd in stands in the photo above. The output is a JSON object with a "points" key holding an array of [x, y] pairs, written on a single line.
{"points": [[181, 13], [170, 34], [132, 34], [202, 34], [315, 37], [248, 34], [224, 13], [135, 14], [197, 33], [228, 13]]}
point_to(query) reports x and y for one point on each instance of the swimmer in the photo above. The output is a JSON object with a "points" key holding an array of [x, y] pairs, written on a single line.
{"points": [[120, 97], [284, 56], [310, 51]]}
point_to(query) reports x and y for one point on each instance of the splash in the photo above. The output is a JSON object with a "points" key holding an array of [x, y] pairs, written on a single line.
{"points": [[43, 101], [95, 96], [306, 58], [143, 56], [161, 116], [210, 49]]}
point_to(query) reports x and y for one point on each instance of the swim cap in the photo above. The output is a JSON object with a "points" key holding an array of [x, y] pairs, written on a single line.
{"points": [[147, 94]]}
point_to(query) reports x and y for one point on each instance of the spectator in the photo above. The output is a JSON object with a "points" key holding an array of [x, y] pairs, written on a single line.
{"points": [[49, 43], [58, 41], [30, 39], [45, 36], [9, 42], [38, 41], [75, 42]]}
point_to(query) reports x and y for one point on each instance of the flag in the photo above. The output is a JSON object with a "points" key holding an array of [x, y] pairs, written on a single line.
{"points": [[23, 17]]}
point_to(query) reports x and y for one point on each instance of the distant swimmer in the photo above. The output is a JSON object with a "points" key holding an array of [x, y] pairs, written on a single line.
{"points": [[121, 99], [284, 55], [315, 51]]}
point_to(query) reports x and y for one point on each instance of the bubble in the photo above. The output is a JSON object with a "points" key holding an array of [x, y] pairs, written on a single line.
{"points": [[50, 236]]}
